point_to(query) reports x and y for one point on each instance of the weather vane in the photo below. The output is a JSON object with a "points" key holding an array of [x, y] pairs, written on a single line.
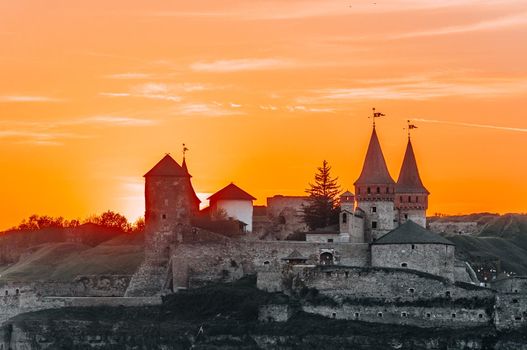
{"points": [[185, 149], [410, 127], [376, 115]]}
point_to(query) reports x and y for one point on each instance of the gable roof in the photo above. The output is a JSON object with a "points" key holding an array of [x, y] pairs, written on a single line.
{"points": [[409, 180], [231, 191], [409, 233], [167, 167], [374, 171]]}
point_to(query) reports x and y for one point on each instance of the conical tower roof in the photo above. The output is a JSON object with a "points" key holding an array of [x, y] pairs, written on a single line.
{"points": [[409, 180], [374, 170], [184, 166], [167, 167]]}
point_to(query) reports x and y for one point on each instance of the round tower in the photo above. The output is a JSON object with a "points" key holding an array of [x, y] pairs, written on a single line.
{"points": [[375, 192], [169, 206]]}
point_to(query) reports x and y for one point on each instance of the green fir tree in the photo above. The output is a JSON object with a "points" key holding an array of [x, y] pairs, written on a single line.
{"points": [[323, 206]]}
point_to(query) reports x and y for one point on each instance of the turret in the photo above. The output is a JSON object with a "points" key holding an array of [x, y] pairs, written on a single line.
{"points": [[411, 198], [169, 206], [375, 191]]}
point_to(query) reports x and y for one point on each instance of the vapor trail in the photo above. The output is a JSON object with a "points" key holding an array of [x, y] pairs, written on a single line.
{"points": [[471, 125]]}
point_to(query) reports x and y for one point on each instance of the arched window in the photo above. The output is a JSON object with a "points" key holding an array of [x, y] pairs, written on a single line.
{"points": [[369, 190], [344, 218], [326, 258]]}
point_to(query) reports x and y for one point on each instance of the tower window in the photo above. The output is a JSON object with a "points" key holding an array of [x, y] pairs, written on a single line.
{"points": [[164, 216], [416, 199], [401, 199], [387, 189], [378, 190], [374, 224], [344, 218], [379, 314], [369, 190], [409, 199], [373, 209]]}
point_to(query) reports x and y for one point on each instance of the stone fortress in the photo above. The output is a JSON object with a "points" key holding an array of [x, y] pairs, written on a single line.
{"points": [[379, 264]]}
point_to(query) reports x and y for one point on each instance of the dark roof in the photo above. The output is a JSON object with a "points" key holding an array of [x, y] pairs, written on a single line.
{"points": [[374, 170], [347, 194], [231, 191], [410, 232], [167, 167], [184, 166], [409, 180]]}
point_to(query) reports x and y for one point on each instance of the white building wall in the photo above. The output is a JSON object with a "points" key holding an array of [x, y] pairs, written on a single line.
{"points": [[237, 209]]}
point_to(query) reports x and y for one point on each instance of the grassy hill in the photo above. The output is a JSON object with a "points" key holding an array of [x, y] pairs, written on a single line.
{"points": [[501, 238]]}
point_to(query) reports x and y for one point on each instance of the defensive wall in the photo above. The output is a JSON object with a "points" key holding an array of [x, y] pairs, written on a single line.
{"points": [[194, 264]]}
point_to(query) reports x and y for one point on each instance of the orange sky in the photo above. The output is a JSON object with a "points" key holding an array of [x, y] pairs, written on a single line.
{"points": [[93, 93]]}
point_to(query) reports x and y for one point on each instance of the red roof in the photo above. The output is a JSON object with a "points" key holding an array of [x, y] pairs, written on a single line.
{"points": [[409, 180], [167, 167], [231, 191], [374, 170]]}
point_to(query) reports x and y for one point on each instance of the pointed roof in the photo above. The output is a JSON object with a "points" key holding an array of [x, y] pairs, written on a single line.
{"points": [[412, 233], [231, 191], [347, 194], [409, 180], [167, 167], [374, 170]]}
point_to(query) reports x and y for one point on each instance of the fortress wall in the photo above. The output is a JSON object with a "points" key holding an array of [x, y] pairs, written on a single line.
{"points": [[437, 259], [86, 286], [511, 310], [405, 315], [229, 260], [383, 283], [511, 285]]}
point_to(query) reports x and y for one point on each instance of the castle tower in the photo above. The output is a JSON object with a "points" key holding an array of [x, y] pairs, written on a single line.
{"points": [[351, 225], [169, 207], [375, 191], [411, 198]]}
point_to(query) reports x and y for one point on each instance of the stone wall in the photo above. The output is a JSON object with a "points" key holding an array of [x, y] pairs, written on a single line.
{"points": [[511, 285], [511, 310], [451, 317], [437, 259], [383, 216], [388, 284], [230, 259], [274, 313]]}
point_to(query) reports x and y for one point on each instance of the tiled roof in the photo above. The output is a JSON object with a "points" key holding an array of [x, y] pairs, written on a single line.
{"points": [[231, 191]]}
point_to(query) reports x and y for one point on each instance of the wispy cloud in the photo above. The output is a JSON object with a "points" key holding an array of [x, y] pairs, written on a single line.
{"points": [[28, 98], [471, 125], [39, 138], [205, 109], [301, 9], [422, 89], [243, 64], [491, 24], [116, 121], [54, 133]]}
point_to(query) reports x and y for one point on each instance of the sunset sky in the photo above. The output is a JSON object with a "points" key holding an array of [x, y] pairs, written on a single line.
{"points": [[94, 93]]}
